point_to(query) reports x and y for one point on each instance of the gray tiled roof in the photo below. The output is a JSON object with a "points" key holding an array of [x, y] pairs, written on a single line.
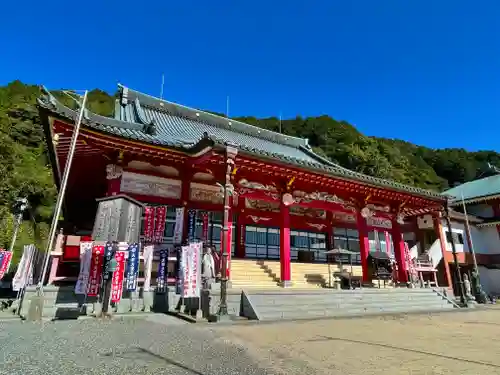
{"points": [[144, 118], [178, 122]]}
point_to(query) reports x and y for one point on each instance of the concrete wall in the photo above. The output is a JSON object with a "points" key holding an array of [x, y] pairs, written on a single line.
{"points": [[490, 280], [485, 240]]}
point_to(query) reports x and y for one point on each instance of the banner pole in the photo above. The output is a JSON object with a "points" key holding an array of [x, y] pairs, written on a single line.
{"points": [[62, 193]]}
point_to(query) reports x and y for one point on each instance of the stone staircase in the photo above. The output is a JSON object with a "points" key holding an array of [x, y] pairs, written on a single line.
{"points": [[326, 303], [251, 274], [264, 274]]}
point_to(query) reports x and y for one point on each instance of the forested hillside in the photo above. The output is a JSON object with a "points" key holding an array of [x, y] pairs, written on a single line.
{"points": [[25, 171]]}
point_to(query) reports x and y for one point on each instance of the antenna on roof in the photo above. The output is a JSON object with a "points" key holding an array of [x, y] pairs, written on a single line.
{"points": [[493, 168], [162, 84], [280, 121], [227, 106]]}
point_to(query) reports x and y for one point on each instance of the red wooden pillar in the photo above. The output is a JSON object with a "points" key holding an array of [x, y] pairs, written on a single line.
{"points": [[285, 267], [185, 190], [438, 227], [228, 240], [399, 251], [239, 252], [329, 230], [364, 245]]}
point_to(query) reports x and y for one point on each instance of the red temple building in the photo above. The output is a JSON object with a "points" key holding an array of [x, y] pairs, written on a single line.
{"points": [[289, 206]]}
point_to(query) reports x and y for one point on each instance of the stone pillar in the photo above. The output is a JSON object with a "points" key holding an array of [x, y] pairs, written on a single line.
{"points": [[399, 251], [285, 267], [114, 176], [438, 228], [364, 246]]}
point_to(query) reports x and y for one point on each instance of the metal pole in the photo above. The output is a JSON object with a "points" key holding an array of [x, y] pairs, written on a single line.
{"points": [[455, 259], [17, 224], [60, 196]]}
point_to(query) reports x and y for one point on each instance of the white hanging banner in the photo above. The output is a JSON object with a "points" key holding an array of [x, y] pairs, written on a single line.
{"points": [[85, 259], [148, 266], [24, 270], [179, 225], [191, 270]]}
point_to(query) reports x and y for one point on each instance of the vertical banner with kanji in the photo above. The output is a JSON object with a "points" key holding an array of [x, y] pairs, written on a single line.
{"points": [[191, 270], [5, 259], [117, 279], [179, 225], [149, 223], [82, 283], [132, 267], [191, 224], [148, 266], [162, 268], [109, 250], [160, 218], [96, 265], [204, 227]]}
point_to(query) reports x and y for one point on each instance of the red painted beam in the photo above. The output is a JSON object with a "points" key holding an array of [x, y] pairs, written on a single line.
{"points": [[202, 159]]}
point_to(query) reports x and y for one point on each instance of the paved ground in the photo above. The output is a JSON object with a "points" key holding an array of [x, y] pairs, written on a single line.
{"points": [[450, 343], [159, 345]]}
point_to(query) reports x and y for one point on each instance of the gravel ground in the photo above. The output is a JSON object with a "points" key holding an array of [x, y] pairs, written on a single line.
{"points": [[447, 343], [157, 345]]}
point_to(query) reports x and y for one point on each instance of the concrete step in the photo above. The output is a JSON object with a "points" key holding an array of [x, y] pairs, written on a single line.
{"points": [[348, 305], [290, 304], [270, 299], [339, 303], [361, 310]]}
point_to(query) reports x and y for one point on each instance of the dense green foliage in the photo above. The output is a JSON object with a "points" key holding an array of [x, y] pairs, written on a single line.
{"points": [[25, 170]]}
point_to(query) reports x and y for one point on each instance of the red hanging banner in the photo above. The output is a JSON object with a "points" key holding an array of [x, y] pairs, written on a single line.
{"points": [[204, 226], [149, 223], [4, 264], [95, 271], [117, 280], [160, 218]]}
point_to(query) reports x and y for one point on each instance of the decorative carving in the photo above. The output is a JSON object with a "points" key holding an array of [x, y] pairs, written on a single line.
{"points": [[301, 196], [319, 227], [205, 193], [378, 208], [344, 217], [150, 185], [256, 185], [256, 219], [113, 171], [379, 222], [262, 205], [308, 212]]}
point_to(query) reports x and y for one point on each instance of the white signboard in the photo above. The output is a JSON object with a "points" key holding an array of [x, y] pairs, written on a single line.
{"points": [[191, 270], [379, 222], [137, 183]]}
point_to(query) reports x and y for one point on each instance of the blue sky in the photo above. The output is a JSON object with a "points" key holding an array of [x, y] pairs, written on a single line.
{"points": [[426, 71]]}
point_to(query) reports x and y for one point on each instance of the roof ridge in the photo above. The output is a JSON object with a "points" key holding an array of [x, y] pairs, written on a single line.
{"points": [[217, 121]]}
